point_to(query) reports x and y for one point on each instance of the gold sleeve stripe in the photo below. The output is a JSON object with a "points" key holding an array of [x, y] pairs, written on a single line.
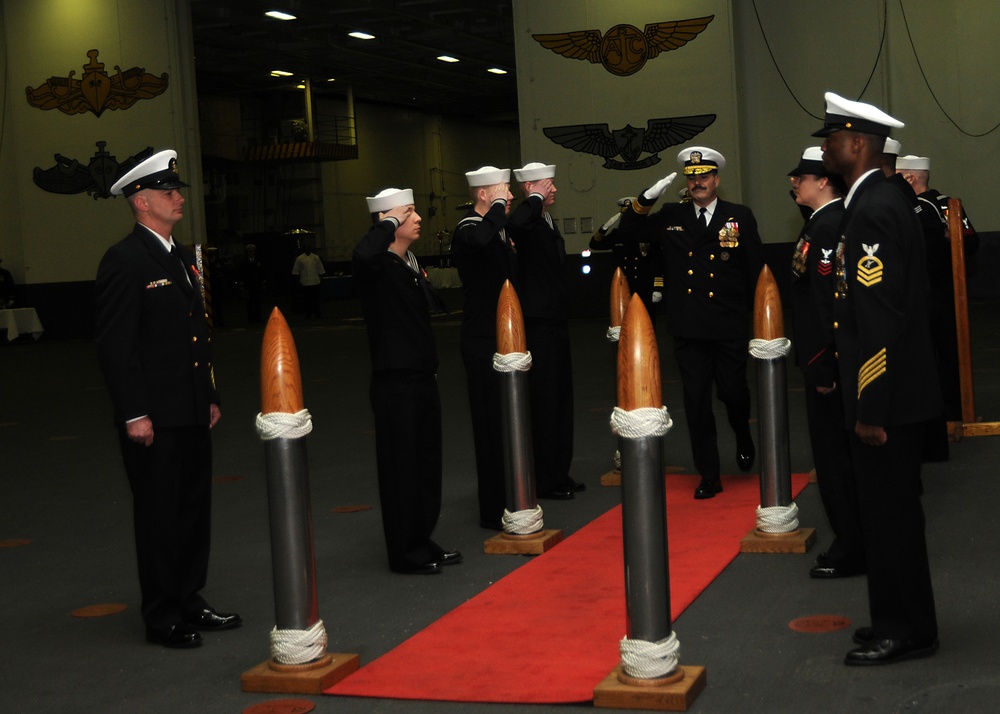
{"points": [[658, 282], [871, 370], [640, 209]]}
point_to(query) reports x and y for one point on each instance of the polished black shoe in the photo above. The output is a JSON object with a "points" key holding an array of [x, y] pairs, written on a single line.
{"points": [[863, 635], [422, 569], [707, 489], [575, 486], [560, 493], [209, 619], [827, 571], [179, 636], [745, 456], [889, 651], [450, 557]]}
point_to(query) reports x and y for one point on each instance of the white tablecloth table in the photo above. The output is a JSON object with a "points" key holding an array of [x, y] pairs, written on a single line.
{"points": [[19, 320]]}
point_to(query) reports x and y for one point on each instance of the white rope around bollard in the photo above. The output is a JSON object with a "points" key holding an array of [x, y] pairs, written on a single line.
{"points": [[777, 519], [614, 334], [770, 349], [523, 522], [281, 425], [649, 660], [513, 362], [298, 646], [641, 422]]}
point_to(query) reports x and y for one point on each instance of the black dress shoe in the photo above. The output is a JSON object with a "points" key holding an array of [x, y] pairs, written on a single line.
{"points": [[827, 571], [863, 635], [707, 489], [560, 493], [450, 557], [744, 456], [889, 651], [430, 568], [178, 636], [209, 619], [575, 486]]}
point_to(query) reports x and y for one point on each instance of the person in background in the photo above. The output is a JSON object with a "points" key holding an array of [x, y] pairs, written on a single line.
{"points": [[397, 301], [308, 268]]}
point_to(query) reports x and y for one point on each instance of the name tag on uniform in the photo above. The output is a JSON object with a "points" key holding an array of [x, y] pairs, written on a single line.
{"points": [[674, 228]]}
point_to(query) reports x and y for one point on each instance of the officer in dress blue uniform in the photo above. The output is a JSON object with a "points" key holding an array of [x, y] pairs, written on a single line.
{"points": [[154, 349], [814, 283], [885, 354], [712, 257]]}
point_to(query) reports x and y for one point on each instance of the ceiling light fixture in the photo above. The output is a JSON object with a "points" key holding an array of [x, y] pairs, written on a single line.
{"points": [[279, 15], [361, 35], [280, 73], [496, 70], [447, 58]]}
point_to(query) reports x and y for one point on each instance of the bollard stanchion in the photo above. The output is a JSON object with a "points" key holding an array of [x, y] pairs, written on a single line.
{"points": [[299, 661], [620, 295], [777, 529], [523, 527], [649, 675]]}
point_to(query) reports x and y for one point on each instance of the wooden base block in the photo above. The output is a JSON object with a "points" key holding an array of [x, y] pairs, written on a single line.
{"points": [[955, 431], [312, 678], [534, 544], [981, 428], [612, 478], [798, 541], [676, 697]]}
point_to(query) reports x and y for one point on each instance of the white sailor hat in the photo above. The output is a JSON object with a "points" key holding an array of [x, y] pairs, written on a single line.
{"points": [[487, 176], [535, 171], [159, 171], [892, 146], [700, 160], [855, 116], [810, 163], [914, 163], [388, 199]]}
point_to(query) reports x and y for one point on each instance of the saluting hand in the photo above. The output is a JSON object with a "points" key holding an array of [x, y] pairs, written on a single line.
{"points": [[654, 192]]}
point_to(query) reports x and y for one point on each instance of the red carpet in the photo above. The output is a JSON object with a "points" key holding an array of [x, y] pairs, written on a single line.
{"points": [[549, 631]]}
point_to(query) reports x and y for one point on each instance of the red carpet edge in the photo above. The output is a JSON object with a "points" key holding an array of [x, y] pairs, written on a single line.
{"points": [[549, 631]]}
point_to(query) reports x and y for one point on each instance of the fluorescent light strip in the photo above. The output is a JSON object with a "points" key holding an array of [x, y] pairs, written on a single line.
{"points": [[280, 73], [361, 35], [447, 58], [496, 70], [279, 15]]}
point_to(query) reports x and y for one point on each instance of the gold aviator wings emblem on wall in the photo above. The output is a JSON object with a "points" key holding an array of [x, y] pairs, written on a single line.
{"points": [[624, 49]]}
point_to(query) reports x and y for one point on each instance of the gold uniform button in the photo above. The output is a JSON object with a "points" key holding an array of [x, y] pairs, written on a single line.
{"points": [[690, 272], [711, 257], [690, 253], [194, 339], [836, 325], [195, 364], [689, 291], [711, 275], [711, 294]]}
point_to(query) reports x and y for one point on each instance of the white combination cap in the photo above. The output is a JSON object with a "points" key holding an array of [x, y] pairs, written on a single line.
{"points": [[847, 114], [159, 171], [388, 199], [535, 171], [700, 160]]}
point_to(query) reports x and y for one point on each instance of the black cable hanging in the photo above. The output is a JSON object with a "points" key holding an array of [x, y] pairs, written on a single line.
{"points": [[928, 84], [791, 93]]}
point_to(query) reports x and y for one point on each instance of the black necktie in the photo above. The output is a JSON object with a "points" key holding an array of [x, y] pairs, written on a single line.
{"points": [[702, 220]]}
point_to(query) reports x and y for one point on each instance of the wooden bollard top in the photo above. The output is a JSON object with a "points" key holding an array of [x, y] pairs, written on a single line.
{"points": [[620, 295], [638, 360], [510, 322], [768, 322], [280, 378]]}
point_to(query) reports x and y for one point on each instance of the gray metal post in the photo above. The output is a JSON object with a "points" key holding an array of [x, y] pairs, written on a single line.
{"points": [[519, 463], [775, 461]]}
